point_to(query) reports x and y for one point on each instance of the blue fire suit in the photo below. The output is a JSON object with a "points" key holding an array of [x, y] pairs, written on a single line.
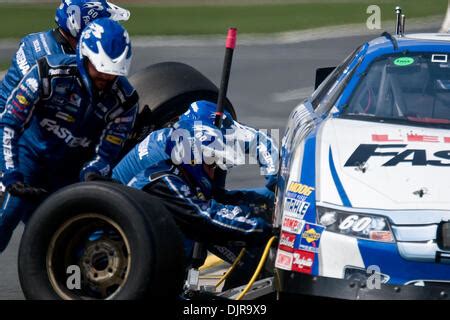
{"points": [[31, 48], [55, 131], [223, 224], [231, 217]]}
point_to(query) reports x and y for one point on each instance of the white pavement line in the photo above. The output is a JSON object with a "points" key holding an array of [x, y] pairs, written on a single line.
{"points": [[291, 95], [269, 39]]}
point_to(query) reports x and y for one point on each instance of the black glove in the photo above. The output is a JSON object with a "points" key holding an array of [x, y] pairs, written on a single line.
{"points": [[93, 176], [22, 190]]}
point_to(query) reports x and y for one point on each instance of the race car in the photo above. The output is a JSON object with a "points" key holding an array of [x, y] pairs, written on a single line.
{"points": [[362, 210], [363, 204]]}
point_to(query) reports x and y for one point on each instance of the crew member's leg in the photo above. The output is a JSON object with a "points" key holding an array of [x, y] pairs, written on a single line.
{"points": [[14, 209]]}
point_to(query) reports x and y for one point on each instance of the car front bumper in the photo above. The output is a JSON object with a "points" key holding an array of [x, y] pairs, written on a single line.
{"points": [[293, 285]]}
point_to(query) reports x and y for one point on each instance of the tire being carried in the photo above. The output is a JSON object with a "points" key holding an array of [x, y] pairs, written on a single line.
{"points": [[120, 242]]}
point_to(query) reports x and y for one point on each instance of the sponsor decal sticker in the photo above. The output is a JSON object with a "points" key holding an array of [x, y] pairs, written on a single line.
{"points": [[422, 138], [18, 114], [310, 238], [123, 119], [403, 61], [57, 72], [302, 261], [287, 241], [410, 137], [298, 190], [22, 100], [284, 260], [37, 46], [32, 84], [292, 225], [384, 138], [114, 139], [18, 107], [396, 154], [296, 207], [21, 60], [64, 134], [65, 117], [8, 136]]}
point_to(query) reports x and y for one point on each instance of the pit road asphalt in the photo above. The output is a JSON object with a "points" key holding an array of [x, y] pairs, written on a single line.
{"points": [[267, 82]]}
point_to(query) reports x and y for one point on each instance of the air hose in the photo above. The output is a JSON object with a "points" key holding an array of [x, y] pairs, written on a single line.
{"points": [[258, 269], [231, 269]]}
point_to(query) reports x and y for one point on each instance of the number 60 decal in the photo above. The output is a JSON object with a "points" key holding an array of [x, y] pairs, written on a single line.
{"points": [[356, 223]]}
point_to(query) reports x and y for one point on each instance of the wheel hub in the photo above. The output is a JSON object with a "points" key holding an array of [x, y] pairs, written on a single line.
{"points": [[103, 262]]}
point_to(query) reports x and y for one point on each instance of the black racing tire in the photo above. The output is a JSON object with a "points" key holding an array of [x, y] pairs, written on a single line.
{"points": [[168, 88], [165, 92], [138, 252]]}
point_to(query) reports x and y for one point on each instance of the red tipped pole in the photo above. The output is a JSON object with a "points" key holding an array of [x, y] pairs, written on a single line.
{"points": [[199, 253], [230, 45]]}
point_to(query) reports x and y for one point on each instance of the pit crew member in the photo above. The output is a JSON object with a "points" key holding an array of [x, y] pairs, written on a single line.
{"points": [[71, 18], [67, 110], [158, 165]]}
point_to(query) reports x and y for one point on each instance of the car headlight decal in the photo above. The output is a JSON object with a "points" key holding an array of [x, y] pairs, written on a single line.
{"points": [[359, 225]]}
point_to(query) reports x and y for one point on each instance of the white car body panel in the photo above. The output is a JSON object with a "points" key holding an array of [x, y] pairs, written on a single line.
{"points": [[333, 260], [381, 187]]}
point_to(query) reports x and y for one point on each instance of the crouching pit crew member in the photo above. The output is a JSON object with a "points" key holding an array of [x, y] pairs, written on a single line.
{"points": [[178, 164]]}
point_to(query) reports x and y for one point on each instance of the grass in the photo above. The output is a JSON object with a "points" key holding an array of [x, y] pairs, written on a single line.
{"points": [[18, 20], [4, 64]]}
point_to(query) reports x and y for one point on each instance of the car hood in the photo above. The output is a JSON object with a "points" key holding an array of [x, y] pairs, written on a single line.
{"points": [[384, 166]]}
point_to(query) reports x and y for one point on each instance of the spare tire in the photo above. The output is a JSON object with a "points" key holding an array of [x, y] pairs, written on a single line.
{"points": [[100, 240], [168, 88], [165, 91]]}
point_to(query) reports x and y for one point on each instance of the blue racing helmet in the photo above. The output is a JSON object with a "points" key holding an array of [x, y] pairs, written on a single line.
{"points": [[73, 15], [205, 111], [106, 44], [196, 142]]}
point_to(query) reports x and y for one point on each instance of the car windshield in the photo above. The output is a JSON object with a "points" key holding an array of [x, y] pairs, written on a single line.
{"points": [[411, 88]]}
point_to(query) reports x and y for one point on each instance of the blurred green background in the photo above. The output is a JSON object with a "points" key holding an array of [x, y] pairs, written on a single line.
{"points": [[184, 17]]}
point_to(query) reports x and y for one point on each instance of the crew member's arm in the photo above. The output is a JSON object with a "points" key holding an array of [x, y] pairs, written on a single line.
{"points": [[22, 61], [111, 142], [262, 147], [18, 111], [208, 220], [149, 152], [267, 157]]}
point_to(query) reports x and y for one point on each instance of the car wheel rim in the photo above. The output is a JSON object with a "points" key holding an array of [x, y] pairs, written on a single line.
{"points": [[88, 257]]}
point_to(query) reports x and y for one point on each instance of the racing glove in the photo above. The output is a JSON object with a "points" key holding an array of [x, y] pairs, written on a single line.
{"points": [[25, 191]]}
